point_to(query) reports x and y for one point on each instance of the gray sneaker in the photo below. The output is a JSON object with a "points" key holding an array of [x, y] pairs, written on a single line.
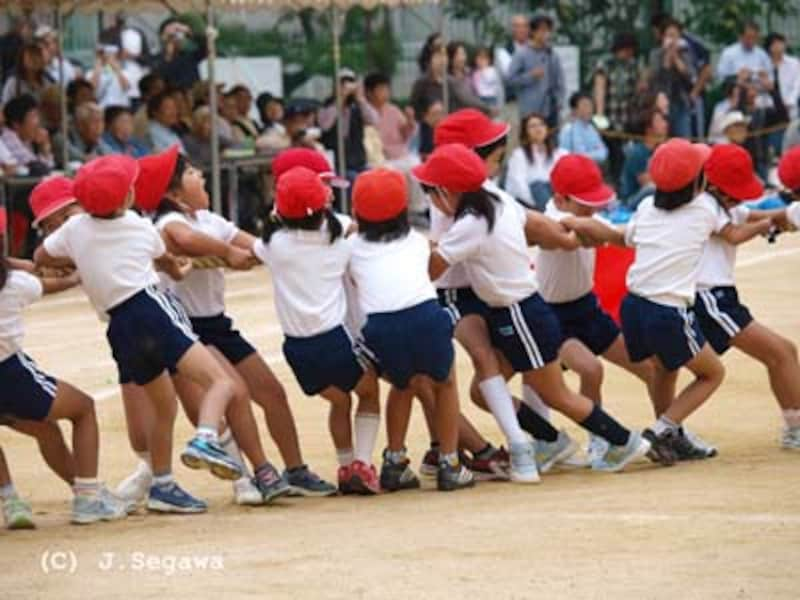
{"points": [[271, 485], [550, 453], [90, 509], [700, 444], [396, 476], [790, 439], [304, 482], [618, 457], [523, 463]]}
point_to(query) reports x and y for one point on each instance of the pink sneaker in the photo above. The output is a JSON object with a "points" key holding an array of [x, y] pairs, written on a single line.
{"points": [[344, 475], [364, 479]]}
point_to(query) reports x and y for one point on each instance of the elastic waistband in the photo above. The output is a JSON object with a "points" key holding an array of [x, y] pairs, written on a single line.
{"points": [[131, 299], [396, 313], [207, 319], [664, 300], [577, 302]]}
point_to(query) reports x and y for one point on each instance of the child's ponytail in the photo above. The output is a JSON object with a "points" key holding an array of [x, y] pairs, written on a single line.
{"points": [[334, 225], [313, 222], [272, 224]]}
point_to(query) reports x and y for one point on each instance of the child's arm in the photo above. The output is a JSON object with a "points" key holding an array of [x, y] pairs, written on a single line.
{"points": [[593, 232], [546, 233], [437, 265], [739, 234], [20, 264], [177, 267], [41, 258], [53, 285], [189, 242]]}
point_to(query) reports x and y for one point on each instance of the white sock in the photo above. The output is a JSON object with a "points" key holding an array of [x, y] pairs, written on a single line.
{"points": [[145, 458], [345, 457], [663, 425], [232, 448], [207, 433], [7, 491], [499, 400], [85, 486], [366, 425], [164, 479], [534, 401], [792, 418]]}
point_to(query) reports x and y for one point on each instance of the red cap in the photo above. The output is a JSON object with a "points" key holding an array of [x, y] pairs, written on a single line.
{"points": [[50, 196], [676, 163], [155, 171], [453, 167], [102, 185], [3, 220], [579, 177], [469, 127], [380, 195], [730, 168], [300, 193], [310, 159], [789, 169]]}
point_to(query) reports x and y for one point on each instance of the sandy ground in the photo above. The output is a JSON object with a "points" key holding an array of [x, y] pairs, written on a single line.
{"points": [[726, 528]]}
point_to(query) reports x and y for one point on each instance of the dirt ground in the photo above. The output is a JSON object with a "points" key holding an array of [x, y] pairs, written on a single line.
{"points": [[726, 528]]}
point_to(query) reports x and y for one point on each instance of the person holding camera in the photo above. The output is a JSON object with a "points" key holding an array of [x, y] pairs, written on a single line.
{"points": [[673, 72], [181, 55], [108, 78]]}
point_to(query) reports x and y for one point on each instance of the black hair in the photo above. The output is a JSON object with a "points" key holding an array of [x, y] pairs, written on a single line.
{"points": [[577, 97], [539, 20], [112, 112], [312, 222], [73, 88], [168, 205], [658, 19], [452, 49], [432, 44], [773, 37], [525, 143], [264, 99], [154, 104], [18, 108], [678, 198], [749, 24], [625, 39], [485, 151], [384, 231], [485, 50], [4, 269], [148, 82], [374, 80], [480, 203], [670, 22]]}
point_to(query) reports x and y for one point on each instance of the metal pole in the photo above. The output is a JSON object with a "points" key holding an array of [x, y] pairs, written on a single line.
{"points": [[216, 188], [62, 87], [337, 65], [443, 33]]}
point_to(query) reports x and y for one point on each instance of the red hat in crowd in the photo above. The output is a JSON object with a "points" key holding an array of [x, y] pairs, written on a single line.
{"points": [[51, 195], [676, 163], [730, 168], [578, 177], [102, 185], [300, 193], [155, 172], [380, 195], [453, 167], [3, 220], [469, 127], [789, 169], [310, 159]]}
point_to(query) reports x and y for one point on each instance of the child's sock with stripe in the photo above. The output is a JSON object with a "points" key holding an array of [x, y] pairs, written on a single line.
{"points": [[664, 424], [791, 418], [209, 434], [499, 400], [86, 486], [600, 423], [344, 456], [164, 480]]}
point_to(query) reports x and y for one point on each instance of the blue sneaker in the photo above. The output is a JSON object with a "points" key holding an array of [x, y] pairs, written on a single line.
{"points": [[271, 485], [171, 498], [205, 454], [304, 482]]}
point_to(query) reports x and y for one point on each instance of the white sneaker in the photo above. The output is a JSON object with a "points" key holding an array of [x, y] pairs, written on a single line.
{"points": [[618, 457], [523, 463], [246, 493], [135, 488], [552, 453], [594, 451], [790, 440]]}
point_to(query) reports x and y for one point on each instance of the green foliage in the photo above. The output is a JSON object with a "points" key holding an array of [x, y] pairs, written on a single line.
{"points": [[720, 22]]}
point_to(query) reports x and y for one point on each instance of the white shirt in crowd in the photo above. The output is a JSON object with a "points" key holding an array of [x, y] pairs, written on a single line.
{"points": [[21, 289], [391, 276], [669, 244], [487, 83], [202, 291], [497, 261], [54, 71], [114, 256], [789, 81], [456, 275], [719, 257], [109, 89], [522, 173], [308, 277]]}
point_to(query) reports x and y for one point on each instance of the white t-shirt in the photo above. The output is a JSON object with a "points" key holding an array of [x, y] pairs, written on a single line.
{"points": [[308, 277], [391, 276], [668, 248], [456, 275], [109, 89], [202, 291], [20, 290], [793, 214], [114, 256], [719, 257], [521, 172], [497, 261], [564, 275]]}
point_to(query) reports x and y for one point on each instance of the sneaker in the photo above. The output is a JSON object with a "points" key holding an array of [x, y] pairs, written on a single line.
{"points": [[618, 457], [90, 509], [453, 477], [127, 505], [271, 485], [661, 450], [246, 493], [135, 487], [343, 477], [201, 453], [790, 438], [492, 465], [550, 453], [18, 514], [398, 476], [171, 498], [699, 443], [523, 463], [304, 482], [429, 467], [683, 447], [364, 479], [595, 450]]}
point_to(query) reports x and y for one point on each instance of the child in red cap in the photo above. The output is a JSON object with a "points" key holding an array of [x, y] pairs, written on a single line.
{"points": [[725, 321], [789, 175], [490, 236], [305, 248], [407, 329], [115, 252]]}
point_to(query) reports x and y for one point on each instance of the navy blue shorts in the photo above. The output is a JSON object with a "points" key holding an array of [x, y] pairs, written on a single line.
{"points": [[668, 332], [219, 332], [584, 320], [148, 335], [414, 341], [461, 302], [26, 391], [324, 360], [527, 333], [721, 316]]}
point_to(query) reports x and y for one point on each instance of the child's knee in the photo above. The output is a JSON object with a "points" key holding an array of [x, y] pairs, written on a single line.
{"points": [[592, 374]]}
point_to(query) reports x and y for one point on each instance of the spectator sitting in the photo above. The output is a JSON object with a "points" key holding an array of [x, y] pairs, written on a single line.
{"points": [[162, 113], [8, 166], [47, 38], [25, 138], [198, 141], [79, 92], [270, 111], [486, 80], [635, 182], [737, 97], [432, 112], [528, 174], [229, 113], [150, 85], [579, 135], [118, 136], [83, 137], [734, 128], [11, 43], [50, 109], [299, 126], [30, 77], [672, 71], [178, 64], [244, 103], [183, 102]]}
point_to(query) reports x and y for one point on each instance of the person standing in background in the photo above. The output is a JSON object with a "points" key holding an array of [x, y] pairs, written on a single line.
{"points": [[786, 75], [486, 80], [178, 63], [672, 71], [520, 37]]}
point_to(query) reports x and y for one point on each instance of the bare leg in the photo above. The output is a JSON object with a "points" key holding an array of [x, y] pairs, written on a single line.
{"points": [[199, 365], [617, 353], [447, 411], [709, 373], [72, 404], [579, 359], [139, 416], [52, 446], [339, 419], [398, 415], [161, 394]]}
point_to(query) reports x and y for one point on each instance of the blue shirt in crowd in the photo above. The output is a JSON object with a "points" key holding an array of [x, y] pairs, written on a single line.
{"points": [[580, 137]]}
